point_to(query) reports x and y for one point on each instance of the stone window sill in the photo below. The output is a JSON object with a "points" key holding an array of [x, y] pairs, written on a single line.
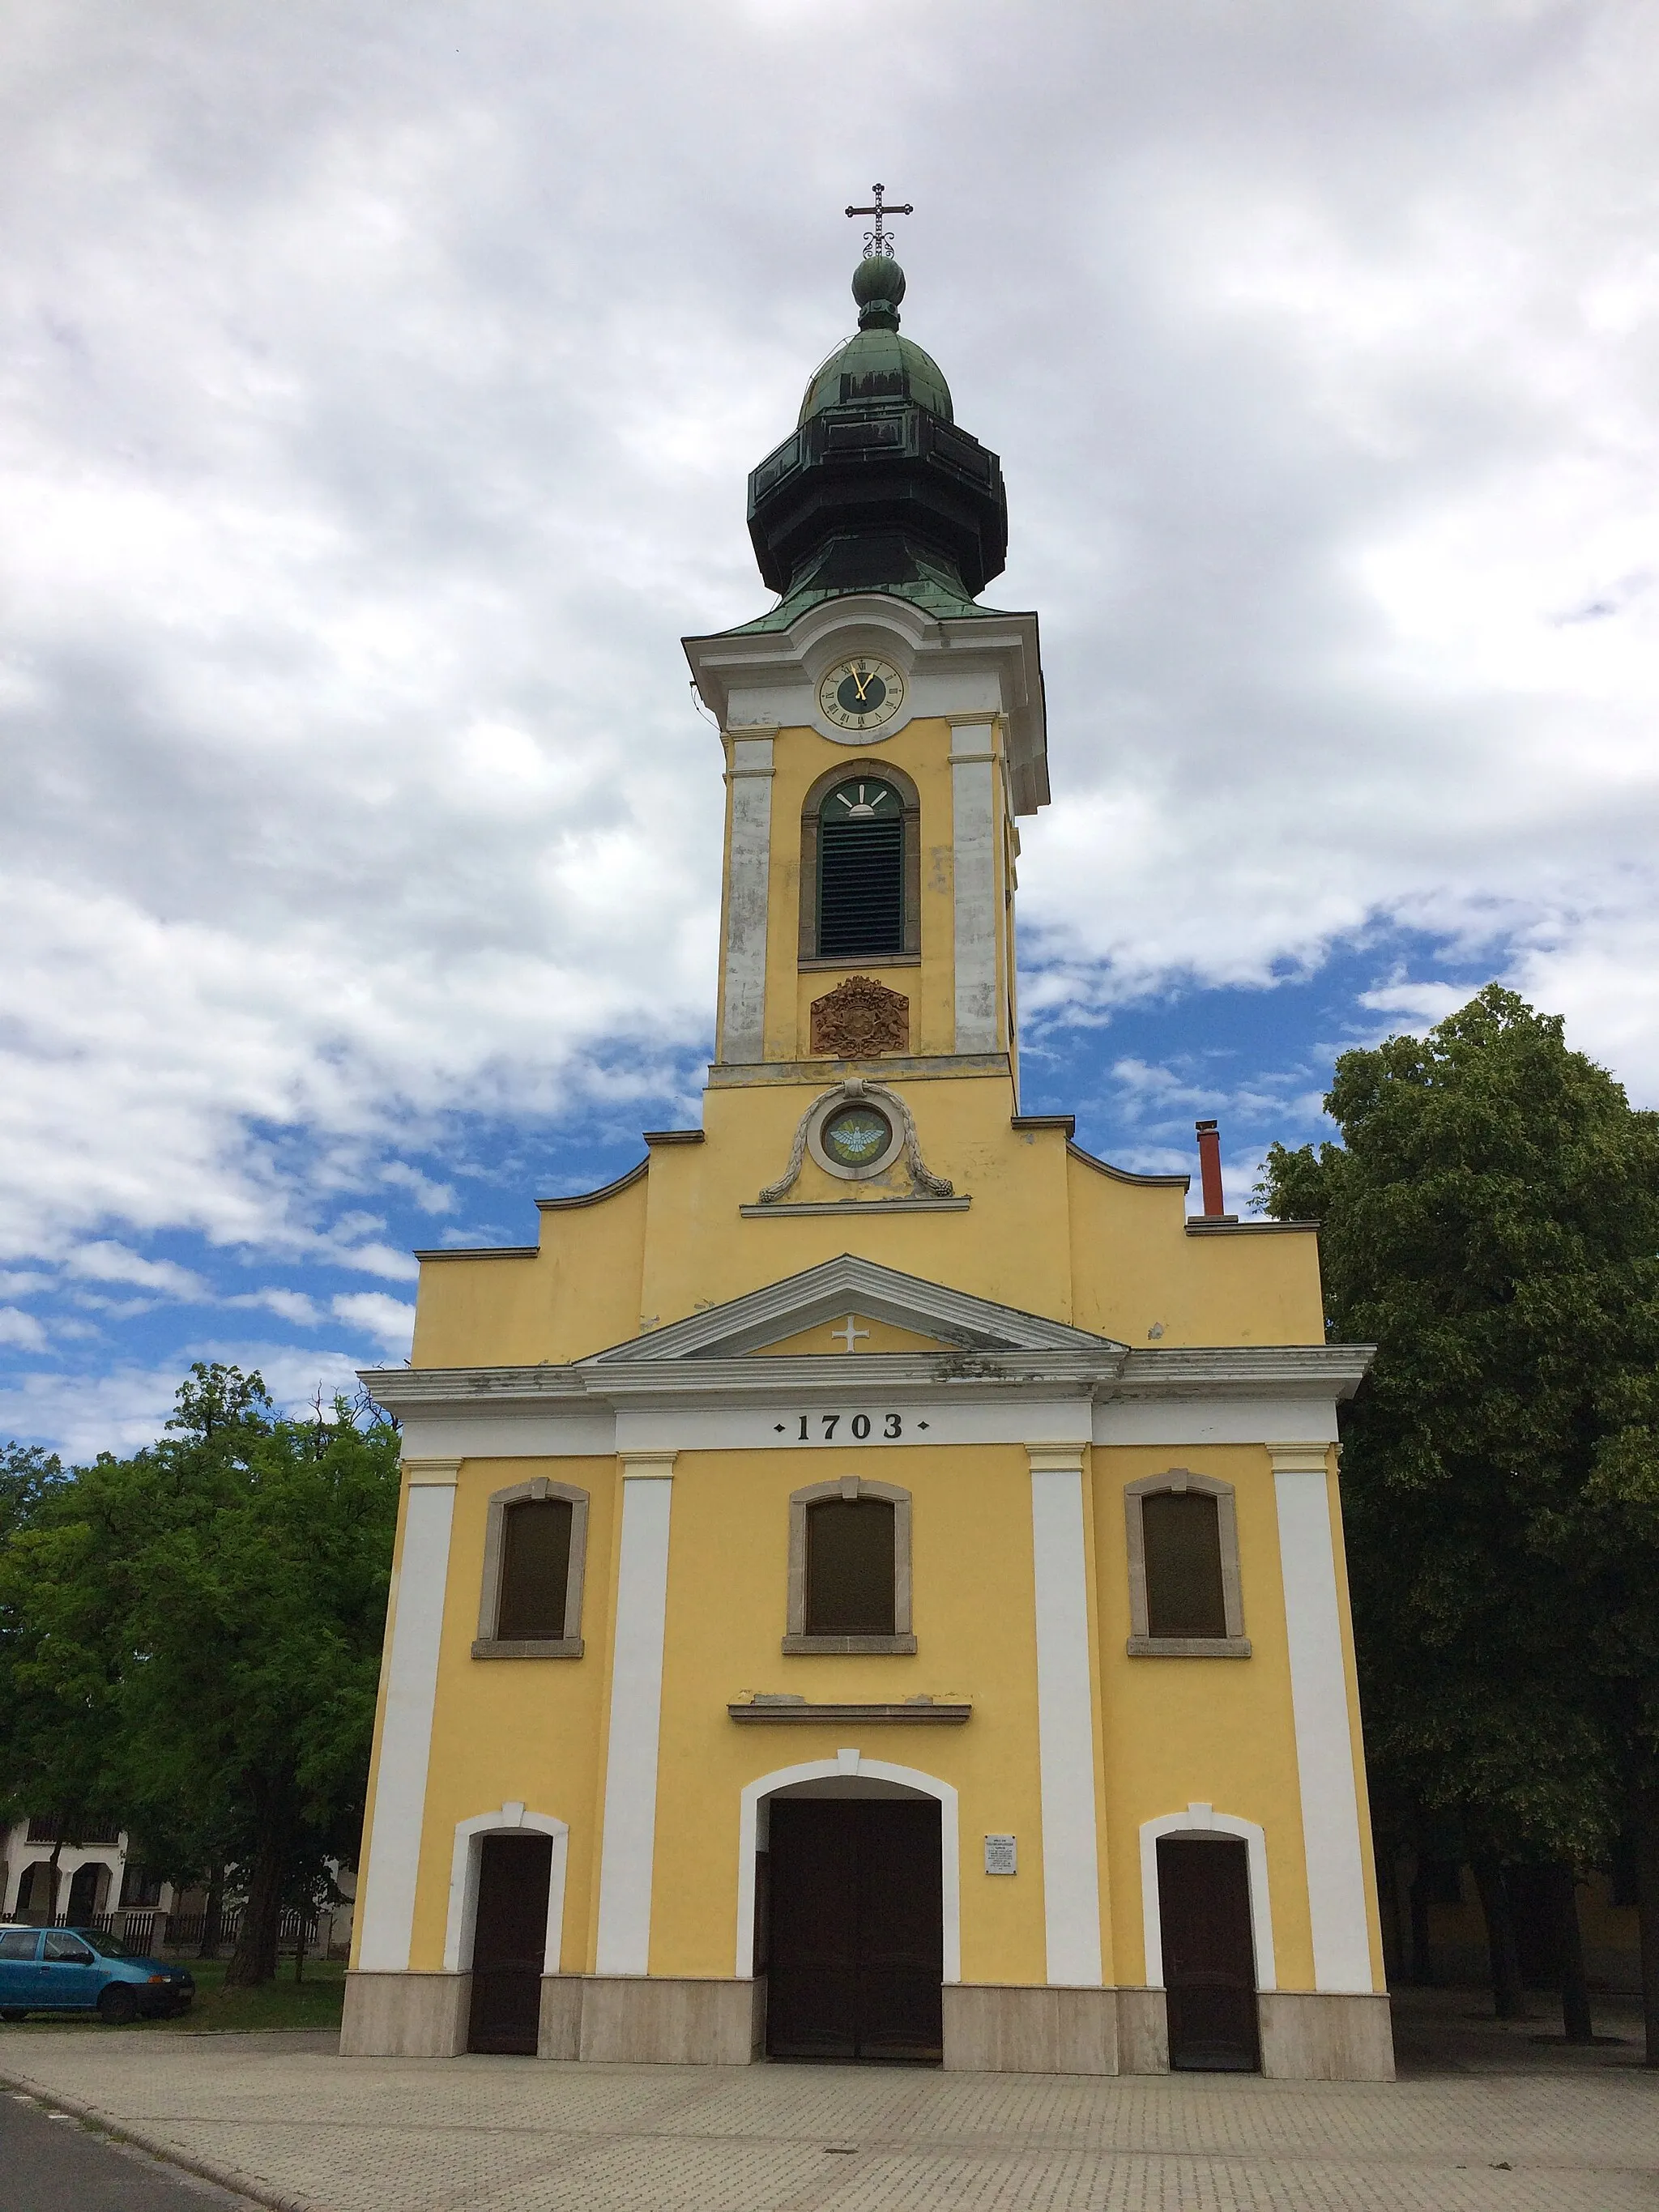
{"points": [[844, 1646], [528, 1647], [1189, 1647], [813, 963]]}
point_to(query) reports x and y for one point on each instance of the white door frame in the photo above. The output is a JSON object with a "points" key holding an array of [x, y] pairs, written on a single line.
{"points": [[1205, 1820], [844, 1764], [513, 1818]]}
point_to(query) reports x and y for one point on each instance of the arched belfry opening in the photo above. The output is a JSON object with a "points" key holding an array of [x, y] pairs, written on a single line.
{"points": [[860, 872]]}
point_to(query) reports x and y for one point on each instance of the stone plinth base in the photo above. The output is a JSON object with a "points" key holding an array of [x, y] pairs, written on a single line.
{"points": [[405, 2016], [1325, 2038], [989, 2027], [996, 2028], [651, 2022]]}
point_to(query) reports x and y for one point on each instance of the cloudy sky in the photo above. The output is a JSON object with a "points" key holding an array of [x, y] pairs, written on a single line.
{"points": [[379, 387]]}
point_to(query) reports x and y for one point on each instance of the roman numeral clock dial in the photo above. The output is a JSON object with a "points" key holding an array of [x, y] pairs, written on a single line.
{"points": [[862, 693]]}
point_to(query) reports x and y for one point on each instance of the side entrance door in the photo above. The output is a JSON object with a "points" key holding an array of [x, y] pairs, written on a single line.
{"points": [[1209, 1954], [855, 1955], [509, 1942]]}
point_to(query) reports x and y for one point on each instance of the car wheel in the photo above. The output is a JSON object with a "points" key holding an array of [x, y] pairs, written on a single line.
{"points": [[118, 2005], [14, 2012]]}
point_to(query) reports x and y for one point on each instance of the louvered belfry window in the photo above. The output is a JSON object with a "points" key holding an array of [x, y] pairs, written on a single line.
{"points": [[535, 1569], [860, 871]]}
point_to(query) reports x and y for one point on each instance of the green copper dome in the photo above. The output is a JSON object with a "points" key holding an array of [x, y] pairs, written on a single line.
{"points": [[868, 355], [876, 362], [876, 488]]}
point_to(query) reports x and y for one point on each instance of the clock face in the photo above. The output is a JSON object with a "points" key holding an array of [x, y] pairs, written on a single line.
{"points": [[862, 693]]}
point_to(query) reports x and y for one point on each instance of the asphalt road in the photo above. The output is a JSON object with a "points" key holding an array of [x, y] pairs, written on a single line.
{"points": [[52, 2164]]}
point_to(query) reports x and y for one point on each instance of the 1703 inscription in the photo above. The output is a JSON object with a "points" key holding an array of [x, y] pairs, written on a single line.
{"points": [[846, 1428]]}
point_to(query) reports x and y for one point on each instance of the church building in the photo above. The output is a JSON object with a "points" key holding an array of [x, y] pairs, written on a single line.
{"points": [[870, 1580]]}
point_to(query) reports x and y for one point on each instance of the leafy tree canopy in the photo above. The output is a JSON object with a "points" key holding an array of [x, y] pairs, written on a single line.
{"points": [[197, 1635], [1491, 1223]]}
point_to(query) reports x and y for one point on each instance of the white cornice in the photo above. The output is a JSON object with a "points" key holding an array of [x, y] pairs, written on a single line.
{"points": [[1105, 1374], [943, 659]]}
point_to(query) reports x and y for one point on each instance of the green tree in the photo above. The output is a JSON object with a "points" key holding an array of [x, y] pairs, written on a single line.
{"points": [[1491, 1223], [57, 1720], [226, 1588]]}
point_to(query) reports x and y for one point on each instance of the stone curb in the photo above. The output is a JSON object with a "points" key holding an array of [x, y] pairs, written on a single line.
{"points": [[205, 2169]]}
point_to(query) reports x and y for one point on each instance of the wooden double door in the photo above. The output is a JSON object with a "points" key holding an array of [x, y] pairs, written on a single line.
{"points": [[509, 1943], [854, 1961], [1209, 1954]]}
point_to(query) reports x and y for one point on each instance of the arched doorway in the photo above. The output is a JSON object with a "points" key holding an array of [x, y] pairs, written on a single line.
{"points": [[34, 1890], [1209, 1958], [509, 1942], [82, 1904], [850, 1920]]}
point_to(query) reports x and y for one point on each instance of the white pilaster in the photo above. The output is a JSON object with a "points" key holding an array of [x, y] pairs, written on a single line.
{"points": [[749, 862], [1066, 1719], [973, 840], [1325, 1747], [416, 1610], [630, 1784]]}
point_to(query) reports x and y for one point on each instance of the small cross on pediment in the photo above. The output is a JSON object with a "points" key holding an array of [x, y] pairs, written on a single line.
{"points": [[850, 1331]]}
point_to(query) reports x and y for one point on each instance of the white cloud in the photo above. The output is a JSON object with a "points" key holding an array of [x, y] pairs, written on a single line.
{"points": [[107, 1261], [288, 1305], [22, 1328], [365, 458], [387, 1319], [431, 1197]]}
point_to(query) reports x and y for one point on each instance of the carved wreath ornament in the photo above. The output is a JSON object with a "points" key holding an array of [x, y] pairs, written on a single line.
{"points": [[858, 1018], [827, 1109]]}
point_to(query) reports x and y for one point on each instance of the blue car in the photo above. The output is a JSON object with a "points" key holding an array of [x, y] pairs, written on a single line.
{"points": [[83, 1970]]}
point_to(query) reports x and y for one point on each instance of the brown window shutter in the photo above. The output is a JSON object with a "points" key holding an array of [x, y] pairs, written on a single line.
{"points": [[535, 1569], [1182, 1530]]}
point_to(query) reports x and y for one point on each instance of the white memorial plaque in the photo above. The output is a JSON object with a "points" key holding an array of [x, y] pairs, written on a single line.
{"points": [[1002, 1855]]}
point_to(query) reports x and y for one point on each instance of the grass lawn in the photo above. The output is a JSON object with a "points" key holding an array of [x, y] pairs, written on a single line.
{"points": [[314, 2003]]}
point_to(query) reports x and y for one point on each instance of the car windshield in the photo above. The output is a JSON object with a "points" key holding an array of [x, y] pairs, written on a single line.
{"points": [[107, 1947]]}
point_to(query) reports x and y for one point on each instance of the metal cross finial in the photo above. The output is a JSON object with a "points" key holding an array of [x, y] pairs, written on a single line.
{"points": [[879, 241]]}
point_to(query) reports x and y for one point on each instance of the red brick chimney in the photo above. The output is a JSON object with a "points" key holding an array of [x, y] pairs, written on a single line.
{"points": [[1209, 1168]]}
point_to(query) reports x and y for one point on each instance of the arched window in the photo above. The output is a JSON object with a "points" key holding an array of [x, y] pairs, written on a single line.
{"points": [[535, 1567], [860, 868], [534, 1543], [849, 1568], [1184, 1593]]}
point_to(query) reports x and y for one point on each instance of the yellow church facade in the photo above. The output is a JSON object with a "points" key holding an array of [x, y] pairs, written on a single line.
{"points": [[870, 1582]]}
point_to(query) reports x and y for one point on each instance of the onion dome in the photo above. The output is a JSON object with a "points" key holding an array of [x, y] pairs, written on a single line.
{"points": [[877, 489]]}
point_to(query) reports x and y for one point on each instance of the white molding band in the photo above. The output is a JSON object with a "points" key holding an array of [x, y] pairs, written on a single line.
{"points": [[1324, 1738], [630, 1783], [1066, 1719], [845, 1763], [1205, 1820], [973, 842], [749, 867], [512, 1819], [411, 1689]]}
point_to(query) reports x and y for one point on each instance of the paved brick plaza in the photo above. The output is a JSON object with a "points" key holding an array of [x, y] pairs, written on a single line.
{"points": [[1578, 2132]]}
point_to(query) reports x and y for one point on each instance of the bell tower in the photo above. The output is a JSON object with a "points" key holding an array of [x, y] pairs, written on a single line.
{"points": [[882, 733]]}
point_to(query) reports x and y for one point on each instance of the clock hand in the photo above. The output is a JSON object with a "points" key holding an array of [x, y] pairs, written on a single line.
{"points": [[858, 685]]}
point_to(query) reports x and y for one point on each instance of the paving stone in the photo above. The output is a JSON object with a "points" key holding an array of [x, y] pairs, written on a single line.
{"points": [[1519, 2128]]}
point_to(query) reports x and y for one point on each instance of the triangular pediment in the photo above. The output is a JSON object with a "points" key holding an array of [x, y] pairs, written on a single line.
{"points": [[801, 1305]]}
